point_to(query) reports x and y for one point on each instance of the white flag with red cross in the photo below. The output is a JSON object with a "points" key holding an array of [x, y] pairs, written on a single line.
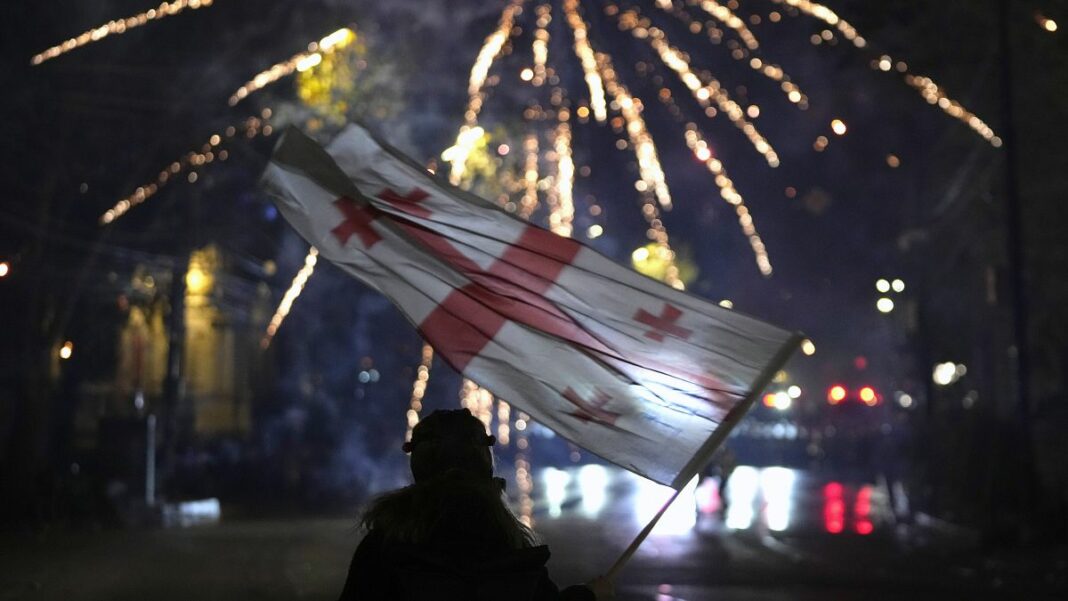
{"points": [[643, 375]]}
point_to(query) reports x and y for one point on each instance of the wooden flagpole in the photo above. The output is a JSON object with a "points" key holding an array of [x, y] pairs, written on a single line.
{"points": [[704, 454]]}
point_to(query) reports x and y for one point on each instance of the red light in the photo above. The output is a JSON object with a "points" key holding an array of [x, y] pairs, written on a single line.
{"points": [[867, 394], [836, 394], [860, 362], [769, 400], [833, 508], [862, 511]]}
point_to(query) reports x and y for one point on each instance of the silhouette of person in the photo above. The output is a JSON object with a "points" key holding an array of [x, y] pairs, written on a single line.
{"points": [[450, 535]]}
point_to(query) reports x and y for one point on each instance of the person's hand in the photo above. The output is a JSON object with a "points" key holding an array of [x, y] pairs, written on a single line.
{"points": [[602, 588]]}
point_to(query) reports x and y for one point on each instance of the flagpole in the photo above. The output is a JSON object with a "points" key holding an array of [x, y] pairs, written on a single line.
{"points": [[638, 540], [705, 452]]}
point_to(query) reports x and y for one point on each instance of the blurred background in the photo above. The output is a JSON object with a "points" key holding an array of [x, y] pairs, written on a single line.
{"points": [[192, 403]]}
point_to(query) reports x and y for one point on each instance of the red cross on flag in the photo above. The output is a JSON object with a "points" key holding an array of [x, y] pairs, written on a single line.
{"points": [[644, 375]]}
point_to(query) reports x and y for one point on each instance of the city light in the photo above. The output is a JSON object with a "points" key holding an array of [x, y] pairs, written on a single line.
{"points": [[947, 373], [66, 350], [893, 161], [898, 285], [833, 508], [808, 347], [838, 127], [5, 269], [594, 231], [1045, 23], [836, 394], [868, 396], [904, 399], [882, 286], [884, 305], [794, 391], [782, 401]]}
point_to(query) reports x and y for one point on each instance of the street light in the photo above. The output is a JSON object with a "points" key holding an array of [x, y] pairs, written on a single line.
{"points": [[884, 305], [882, 285], [5, 269], [66, 350]]}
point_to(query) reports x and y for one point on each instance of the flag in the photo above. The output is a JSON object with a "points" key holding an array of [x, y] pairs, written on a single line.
{"points": [[641, 374]]}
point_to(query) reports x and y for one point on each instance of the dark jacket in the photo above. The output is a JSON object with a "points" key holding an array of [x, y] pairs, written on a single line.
{"points": [[381, 571]]}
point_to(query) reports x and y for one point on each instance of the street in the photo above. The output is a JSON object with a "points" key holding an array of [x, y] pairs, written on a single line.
{"points": [[786, 535]]}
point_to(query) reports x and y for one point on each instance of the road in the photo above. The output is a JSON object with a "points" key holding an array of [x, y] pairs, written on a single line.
{"points": [[786, 535]]}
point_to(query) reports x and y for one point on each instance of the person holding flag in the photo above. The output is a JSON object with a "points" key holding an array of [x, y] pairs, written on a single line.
{"points": [[450, 535], [646, 376]]}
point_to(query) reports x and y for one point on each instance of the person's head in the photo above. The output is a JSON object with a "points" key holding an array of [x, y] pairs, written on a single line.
{"points": [[455, 501], [445, 441]]}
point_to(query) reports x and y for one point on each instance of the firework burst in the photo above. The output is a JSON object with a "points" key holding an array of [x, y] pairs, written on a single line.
{"points": [[118, 27]]}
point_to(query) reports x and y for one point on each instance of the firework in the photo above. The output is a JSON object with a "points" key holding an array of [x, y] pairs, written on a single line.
{"points": [[295, 288], [705, 89], [540, 45], [587, 59], [764, 68], [118, 27], [529, 202], [934, 94], [191, 161], [563, 206], [422, 377], [701, 150], [302, 61], [491, 49], [829, 17], [927, 87]]}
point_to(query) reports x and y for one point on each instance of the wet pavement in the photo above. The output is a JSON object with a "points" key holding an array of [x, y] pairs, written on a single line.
{"points": [[785, 535]]}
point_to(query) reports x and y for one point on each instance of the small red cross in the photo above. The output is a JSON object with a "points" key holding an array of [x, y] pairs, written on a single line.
{"points": [[664, 324], [408, 203], [592, 410], [358, 218]]}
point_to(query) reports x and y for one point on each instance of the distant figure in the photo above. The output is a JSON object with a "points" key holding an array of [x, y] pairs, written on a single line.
{"points": [[450, 535]]}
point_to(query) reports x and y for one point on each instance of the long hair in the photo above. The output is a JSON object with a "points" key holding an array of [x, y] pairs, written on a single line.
{"points": [[449, 512], [455, 501]]}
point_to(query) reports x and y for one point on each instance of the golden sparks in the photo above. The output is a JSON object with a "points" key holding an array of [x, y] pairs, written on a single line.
{"points": [[828, 16], [470, 133], [295, 288], [586, 57], [191, 161], [118, 27], [302, 61], [422, 378], [705, 89], [562, 208], [729, 193]]}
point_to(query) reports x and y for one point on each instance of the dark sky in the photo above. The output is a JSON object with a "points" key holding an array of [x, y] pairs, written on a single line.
{"points": [[87, 128]]}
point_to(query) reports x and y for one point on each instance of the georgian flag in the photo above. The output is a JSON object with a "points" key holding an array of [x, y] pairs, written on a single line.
{"points": [[643, 375]]}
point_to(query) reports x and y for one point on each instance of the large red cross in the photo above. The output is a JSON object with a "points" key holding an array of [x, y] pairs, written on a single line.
{"points": [[592, 409], [664, 324], [358, 216], [512, 288]]}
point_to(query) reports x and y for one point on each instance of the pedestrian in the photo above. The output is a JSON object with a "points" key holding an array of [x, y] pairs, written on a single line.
{"points": [[450, 535]]}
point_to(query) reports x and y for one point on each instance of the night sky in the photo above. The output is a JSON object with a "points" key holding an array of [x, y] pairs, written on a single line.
{"points": [[89, 127]]}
